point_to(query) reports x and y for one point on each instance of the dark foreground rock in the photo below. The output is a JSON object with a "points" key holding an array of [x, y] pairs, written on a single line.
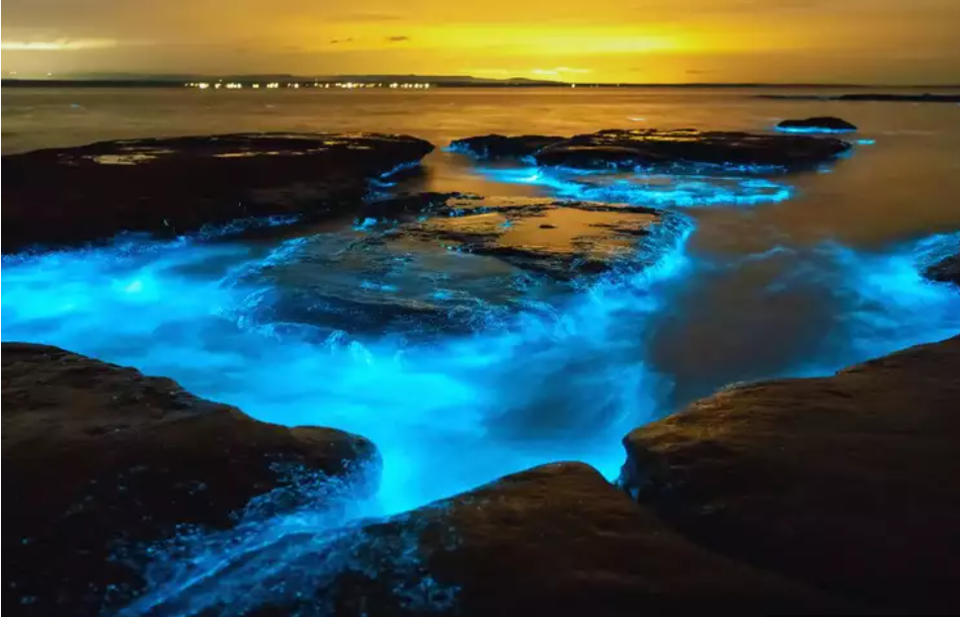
{"points": [[820, 123], [555, 540], [176, 185], [501, 146], [847, 482], [623, 149], [946, 270], [98, 458]]}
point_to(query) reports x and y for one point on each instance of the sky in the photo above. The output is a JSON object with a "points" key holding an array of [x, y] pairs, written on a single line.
{"points": [[639, 41]]}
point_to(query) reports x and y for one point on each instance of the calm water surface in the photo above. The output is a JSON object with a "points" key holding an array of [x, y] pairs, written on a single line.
{"points": [[800, 285]]}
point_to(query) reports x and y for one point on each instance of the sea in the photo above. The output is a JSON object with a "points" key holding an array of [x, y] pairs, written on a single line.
{"points": [[777, 275]]}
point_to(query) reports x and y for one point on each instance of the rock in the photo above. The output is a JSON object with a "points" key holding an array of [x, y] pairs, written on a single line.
{"points": [[500, 146], [171, 186], [622, 149], [946, 270], [100, 458], [563, 239], [427, 265], [553, 540], [822, 124], [848, 482]]}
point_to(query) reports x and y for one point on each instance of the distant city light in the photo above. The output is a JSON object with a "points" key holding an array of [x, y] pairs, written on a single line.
{"points": [[344, 85]]}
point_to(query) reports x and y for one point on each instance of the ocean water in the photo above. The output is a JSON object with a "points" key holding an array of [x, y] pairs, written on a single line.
{"points": [[772, 275]]}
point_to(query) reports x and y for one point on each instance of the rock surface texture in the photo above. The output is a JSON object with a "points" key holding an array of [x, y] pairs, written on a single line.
{"points": [[554, 540], [98, 458], [623, 149], [563, 239], [846, 482], [502, 146], [170, 186]]}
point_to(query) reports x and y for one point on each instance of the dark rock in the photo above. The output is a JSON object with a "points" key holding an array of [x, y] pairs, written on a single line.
{"points": [[176, 185], [946, 270], [848, 482], [822, 123], [501, 146], [100, 458], [554, 540], [622, 149], [563, 239]]}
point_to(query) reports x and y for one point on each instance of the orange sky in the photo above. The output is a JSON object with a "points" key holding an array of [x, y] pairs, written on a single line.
{"points": [[864, 41]]}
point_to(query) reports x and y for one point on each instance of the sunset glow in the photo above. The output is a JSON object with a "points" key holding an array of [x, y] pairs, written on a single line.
{"points": [[865, 41]]}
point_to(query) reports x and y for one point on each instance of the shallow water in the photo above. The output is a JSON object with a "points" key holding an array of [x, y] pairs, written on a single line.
{"points": [[776, 275]]}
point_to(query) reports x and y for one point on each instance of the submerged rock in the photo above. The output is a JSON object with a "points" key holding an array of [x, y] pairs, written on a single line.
{"points": [[430, 264], [622, 149], [946, 270], [501, 146], [554, 540], [848, 482], [563, 239], [175, 185], [101, 458], [827, 124]]}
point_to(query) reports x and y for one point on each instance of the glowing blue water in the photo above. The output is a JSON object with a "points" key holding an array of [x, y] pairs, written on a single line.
{"points": [[563, 380], [557, 382], [524, 394], [889, 304], [651, 190], [813, 130]]}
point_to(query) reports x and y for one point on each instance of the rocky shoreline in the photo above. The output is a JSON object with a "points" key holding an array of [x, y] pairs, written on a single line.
{"points": [[833, 495], [168, 187], [827, 495]]}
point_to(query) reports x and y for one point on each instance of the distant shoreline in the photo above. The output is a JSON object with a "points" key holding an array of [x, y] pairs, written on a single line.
{"points": [[446, 82]]}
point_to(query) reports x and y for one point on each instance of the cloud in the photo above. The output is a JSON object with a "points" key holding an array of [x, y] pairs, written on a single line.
{"points": [[339, 41], [58, 45], [397, 39]]}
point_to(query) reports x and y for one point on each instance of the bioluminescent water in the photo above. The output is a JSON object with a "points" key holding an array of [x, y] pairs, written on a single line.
{"points": [[463, 367], [648, 189]]}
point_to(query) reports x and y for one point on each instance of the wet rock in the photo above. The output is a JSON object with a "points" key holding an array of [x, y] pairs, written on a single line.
{"points": [[99, 458], [562, 239], [622, 149], [848, 482], [821, 123], [501, 146], [171, 186], [554, 540], [946, 270], [426, 265]]}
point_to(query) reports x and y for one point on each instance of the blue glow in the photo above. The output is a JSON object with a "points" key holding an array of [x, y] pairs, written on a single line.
{"points": [[653, 190], [866, 142], [193, 312], [557, 380], [814, 130], [552, 381], [889, 304]]}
